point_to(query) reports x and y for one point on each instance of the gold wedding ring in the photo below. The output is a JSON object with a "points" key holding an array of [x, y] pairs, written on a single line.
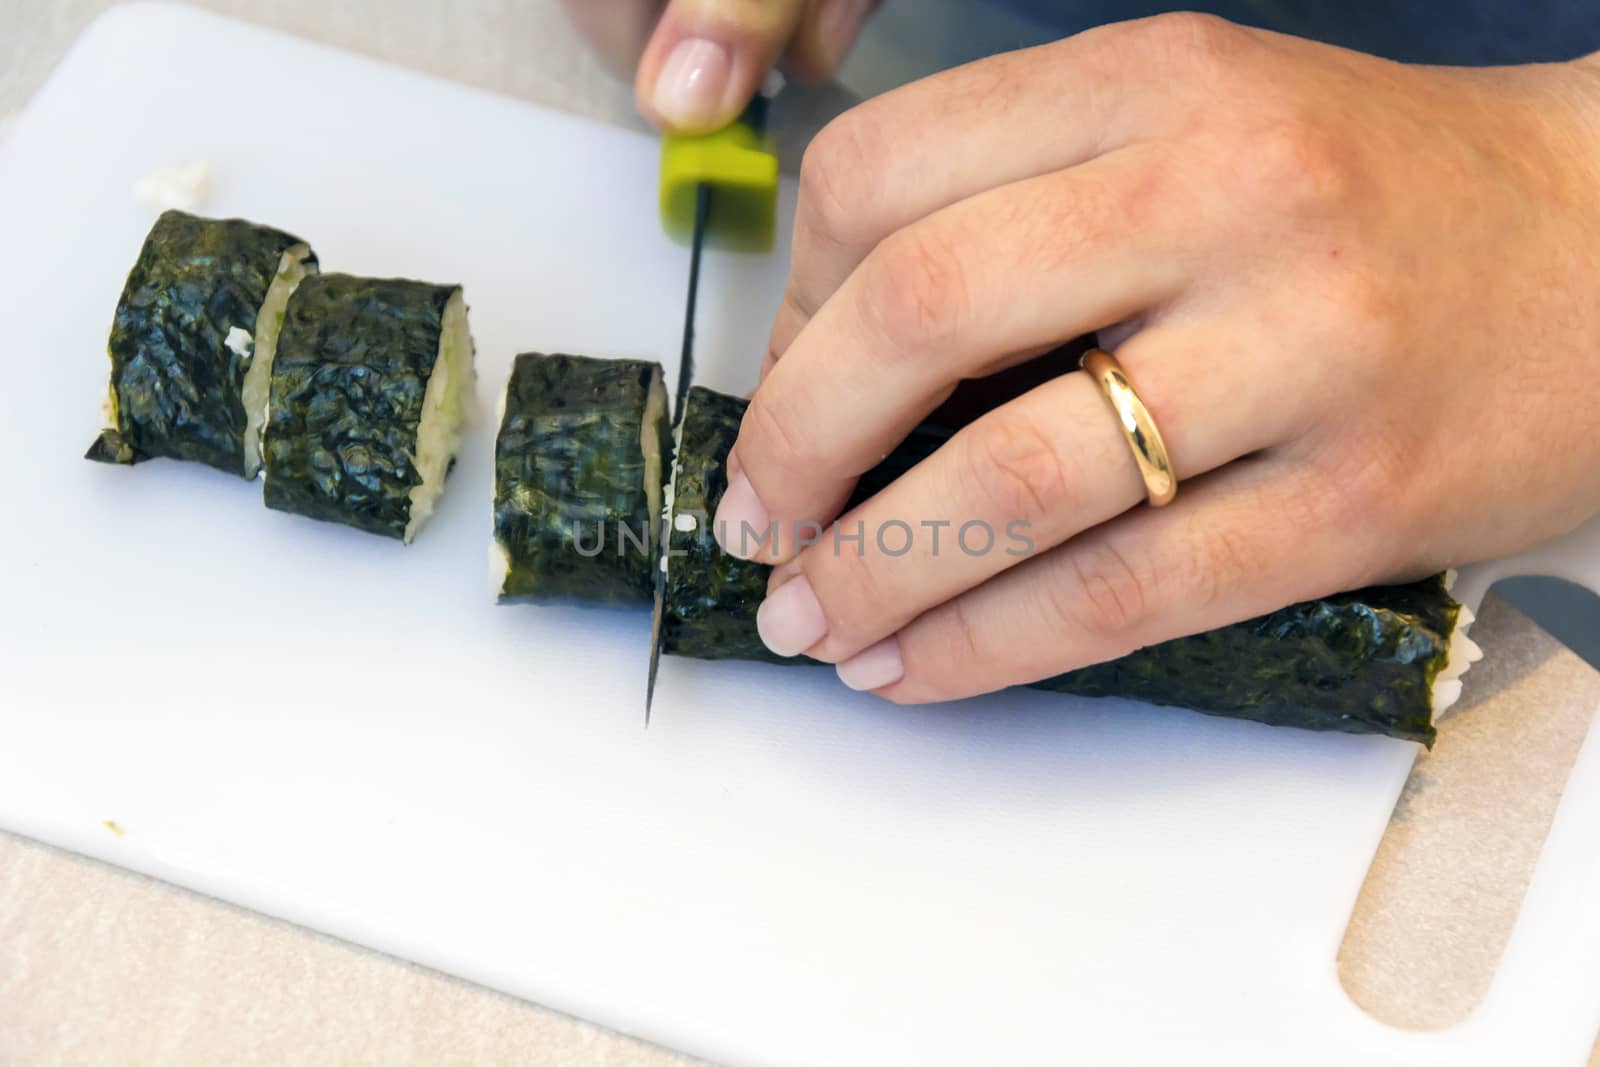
{"points": [[1138, 426]]}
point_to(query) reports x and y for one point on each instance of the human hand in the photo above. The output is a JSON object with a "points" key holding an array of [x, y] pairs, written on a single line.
{"points": [[1359, 298], [697, 63]]}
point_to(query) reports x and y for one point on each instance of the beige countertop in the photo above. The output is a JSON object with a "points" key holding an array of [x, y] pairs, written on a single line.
{"points": [[99, 965]]}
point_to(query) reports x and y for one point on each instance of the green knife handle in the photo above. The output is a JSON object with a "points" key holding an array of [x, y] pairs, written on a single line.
{"points": [[740, 166]]}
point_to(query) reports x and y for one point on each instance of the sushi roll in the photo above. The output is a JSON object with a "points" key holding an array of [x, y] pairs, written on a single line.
{"points": [[369, 393], [709, 607], [193, 342], [1382, 660], [578, 477], [709, 611], [1385, 660]]}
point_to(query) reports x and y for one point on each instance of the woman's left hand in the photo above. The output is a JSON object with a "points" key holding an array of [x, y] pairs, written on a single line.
{"points": [[1361, 299]]}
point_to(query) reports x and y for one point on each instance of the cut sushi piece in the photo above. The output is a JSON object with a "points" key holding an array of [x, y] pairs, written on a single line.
{"points": [[369, 392], [184, 382], [1381, 660], [578, 480], [709, 608], [711, 597]]}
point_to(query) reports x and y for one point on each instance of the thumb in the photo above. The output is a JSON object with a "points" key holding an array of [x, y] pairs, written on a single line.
{"points": [[708, 58]]}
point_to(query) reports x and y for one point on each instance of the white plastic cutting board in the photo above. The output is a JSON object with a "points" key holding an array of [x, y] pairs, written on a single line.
{"points": [[346, 733]]}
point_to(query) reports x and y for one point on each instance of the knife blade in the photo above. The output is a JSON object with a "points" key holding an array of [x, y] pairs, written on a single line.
{"points": [[702, 219], [737, 167]]}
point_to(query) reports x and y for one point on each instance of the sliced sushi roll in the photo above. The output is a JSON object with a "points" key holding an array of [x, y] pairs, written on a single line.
{"points": [[578, 479], [193, 342], [370, 390], [1384, 660], [709, 610]]}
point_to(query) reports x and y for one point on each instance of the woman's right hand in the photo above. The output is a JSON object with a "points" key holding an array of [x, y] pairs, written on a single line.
{"points": [[697, 63]]}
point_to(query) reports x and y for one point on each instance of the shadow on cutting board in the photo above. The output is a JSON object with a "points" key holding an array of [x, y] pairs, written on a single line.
{"points": [[1569, 612]]}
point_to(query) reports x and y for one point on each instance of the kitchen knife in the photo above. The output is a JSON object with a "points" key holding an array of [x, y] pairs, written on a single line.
{"points": [[719, 190]]}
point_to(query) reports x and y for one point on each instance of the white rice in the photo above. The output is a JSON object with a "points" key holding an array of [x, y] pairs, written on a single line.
{"points": [[241, 342], [670, 500], [182, 186], [1460, 657], [655, 409], [499, 558], [445, 407], [295, 266]]}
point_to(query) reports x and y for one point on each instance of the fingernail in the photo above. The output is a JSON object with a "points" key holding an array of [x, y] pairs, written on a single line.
{"points": [[791, 620], [692, 84], [875, 668], [741, 522]]}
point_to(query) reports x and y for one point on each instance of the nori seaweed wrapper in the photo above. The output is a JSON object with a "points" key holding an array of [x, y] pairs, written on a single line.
{"points": [[178, 386], [711, 597], [709, 608], [1362, 662], [353, 364], [575, 510], [1357, 662]]}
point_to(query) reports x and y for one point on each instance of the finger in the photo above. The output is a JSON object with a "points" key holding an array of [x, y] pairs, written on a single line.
{"points": [[961, 294], [1239, 543], [708, 58], [1018, 482], [786, 326], [616, 29], [826, 33], [1112, 337], [894, 159]]}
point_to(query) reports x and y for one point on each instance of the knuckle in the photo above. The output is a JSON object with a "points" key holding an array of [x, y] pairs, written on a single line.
{"points": [[917, 295], [1102, 594], [1366, 492], [765, 437], [1363, 497], [1015, 465], [852, 592], [964, 640], [1180, 39], [946, 651], [794, 314], [1300, 164], [1369, 312], [1209, 564], [837, 179]]}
